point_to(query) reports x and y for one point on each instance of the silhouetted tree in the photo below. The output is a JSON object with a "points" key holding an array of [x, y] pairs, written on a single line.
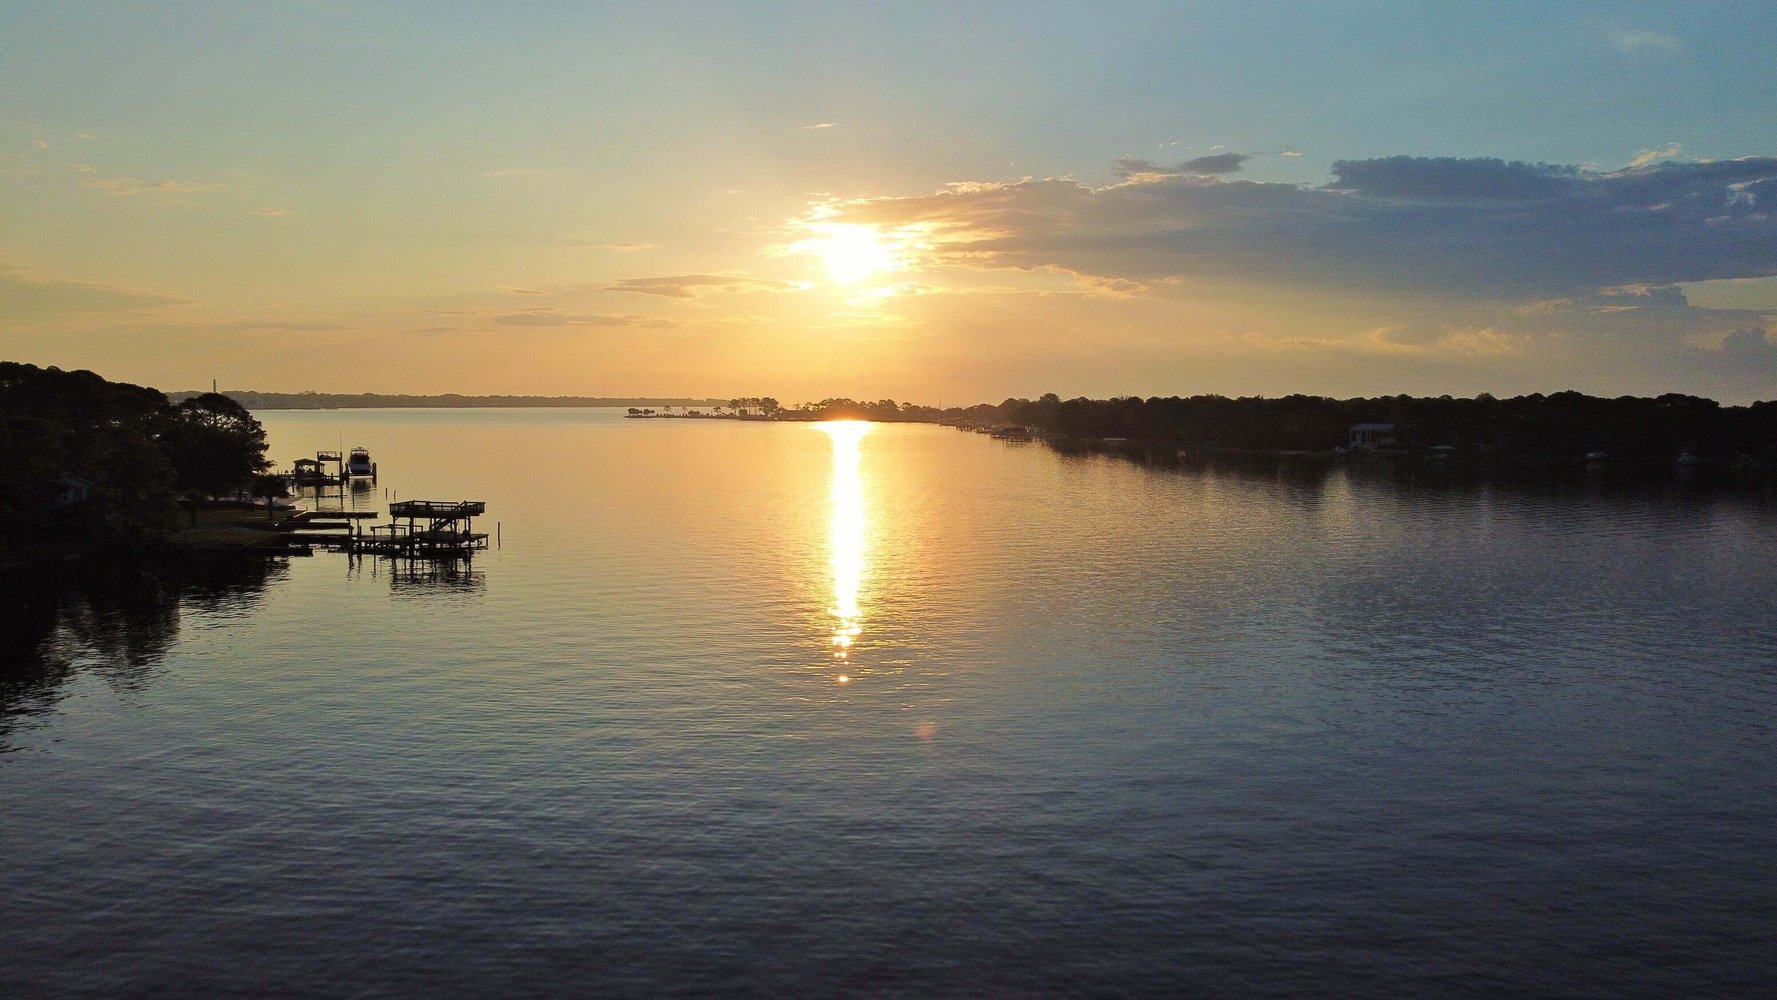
{"points": [[59, 427], [215, 445], [270, 488]]}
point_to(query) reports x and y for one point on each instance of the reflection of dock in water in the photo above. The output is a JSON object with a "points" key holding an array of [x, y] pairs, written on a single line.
{"points": [[419, 577]]}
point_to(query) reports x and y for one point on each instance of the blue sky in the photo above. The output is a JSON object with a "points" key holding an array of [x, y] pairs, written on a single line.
{"points": [[238, 190]]}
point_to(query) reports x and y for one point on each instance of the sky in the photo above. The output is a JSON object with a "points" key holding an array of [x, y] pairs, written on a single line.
{"points": [[948, 202]]}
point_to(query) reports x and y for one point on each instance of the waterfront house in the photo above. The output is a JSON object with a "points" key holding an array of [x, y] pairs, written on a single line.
{"points": [[73, 490], [1370, 437]]}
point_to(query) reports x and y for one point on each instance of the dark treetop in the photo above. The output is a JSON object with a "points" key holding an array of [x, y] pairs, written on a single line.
{"points": [[104, 461]]}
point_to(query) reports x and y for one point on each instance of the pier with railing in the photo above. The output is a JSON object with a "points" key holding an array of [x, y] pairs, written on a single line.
{"points": [[426, 529]]}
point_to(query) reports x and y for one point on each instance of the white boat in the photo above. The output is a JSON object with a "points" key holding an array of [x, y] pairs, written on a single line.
{"points": [[359, 465]]}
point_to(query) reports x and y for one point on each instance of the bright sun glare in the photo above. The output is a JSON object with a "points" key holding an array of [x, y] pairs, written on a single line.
{"points": [[851, 253], [846, 539]]}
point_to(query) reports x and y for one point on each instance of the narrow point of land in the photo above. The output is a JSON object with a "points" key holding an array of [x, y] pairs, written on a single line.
{"points": [[255, 400]]}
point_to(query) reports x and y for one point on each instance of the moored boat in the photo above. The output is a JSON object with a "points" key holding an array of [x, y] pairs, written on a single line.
{"points": [[359, 465]]}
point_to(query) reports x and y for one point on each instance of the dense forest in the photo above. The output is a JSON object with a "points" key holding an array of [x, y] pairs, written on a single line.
{"points": [[1559, 425], [107, 462]]}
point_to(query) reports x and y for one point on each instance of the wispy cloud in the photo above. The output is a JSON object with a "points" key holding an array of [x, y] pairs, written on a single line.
{"points": [[30, 294], [555, 317], [129, 186], [284, 326], [1648, 156], [273, 212], [521, 290], [817, 125], [1446, 339], [624, 246], [690, 286], [524, 172], [1632, 42], [42, 144]]}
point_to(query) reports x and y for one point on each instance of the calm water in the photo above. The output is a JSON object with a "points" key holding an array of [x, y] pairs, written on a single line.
{"points": [[776, 711]]}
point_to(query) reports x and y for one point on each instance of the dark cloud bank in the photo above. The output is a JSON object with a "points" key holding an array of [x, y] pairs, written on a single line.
{"points": [[1471, 227]]}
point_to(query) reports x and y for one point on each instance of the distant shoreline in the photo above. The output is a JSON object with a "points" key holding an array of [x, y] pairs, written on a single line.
{"points": [[394, 401]]}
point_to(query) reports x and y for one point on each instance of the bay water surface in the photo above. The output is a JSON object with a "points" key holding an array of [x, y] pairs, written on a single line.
{"points": [[741, 709]]}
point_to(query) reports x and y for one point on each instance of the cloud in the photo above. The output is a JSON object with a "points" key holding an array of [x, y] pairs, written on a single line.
{"points": [[1638, 297], [1291, 154], [524, 172], [553, 317], [1202, 166], [284, 326], [1648, 156], [128, 186], [1220, 163], [1449, 340], [1481, 228], [1749, 350], [1425, 342], [28, 295], [273, 213], [85, 136], [1110, 285], [521, 290], [42, 144], [690, 286], [1440, 179], [1634, 42], [623, 246], [817, 125]]}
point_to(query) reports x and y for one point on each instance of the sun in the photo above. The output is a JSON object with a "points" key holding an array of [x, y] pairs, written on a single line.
{"points": [[851, 252]]}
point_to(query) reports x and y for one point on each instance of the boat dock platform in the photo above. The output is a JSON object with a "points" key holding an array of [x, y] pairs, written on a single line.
{"points": [[329, 527], [426, 529], [418, 529], [328, 467]]}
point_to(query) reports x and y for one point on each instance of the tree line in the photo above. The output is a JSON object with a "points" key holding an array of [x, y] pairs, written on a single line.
{"points": [[1557, 425], [109, 461]]}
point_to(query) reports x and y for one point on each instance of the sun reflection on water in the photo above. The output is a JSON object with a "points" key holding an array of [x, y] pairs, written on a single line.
{"points": [[846, 534]]}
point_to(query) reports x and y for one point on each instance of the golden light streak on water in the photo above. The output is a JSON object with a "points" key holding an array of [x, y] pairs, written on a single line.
{"points": [[846, 533]]}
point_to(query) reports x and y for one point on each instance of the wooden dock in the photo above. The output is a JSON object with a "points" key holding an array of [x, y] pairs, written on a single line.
{"points": [[426, 529], [340, 528]]}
